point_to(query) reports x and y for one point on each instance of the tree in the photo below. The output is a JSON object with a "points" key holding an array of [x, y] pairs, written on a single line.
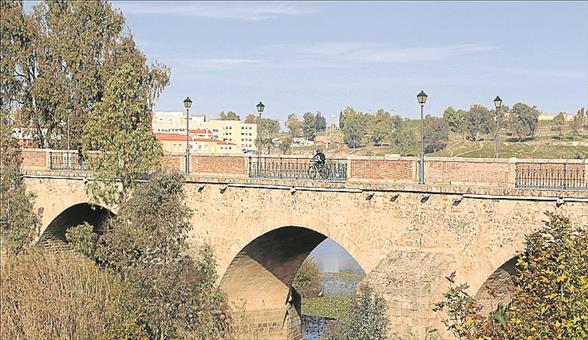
{"points": [[456, 120], [404, 139], [559, 123], [436, 134], [229, 116], [309, 126], [524, 120], [250, 119], [550, 297], [294, 125], [50, 83], [353, 131], [308, 279], [551, 292], [320, 122], [365, 319], [18, 220], [146, 244], [383, 126], [120, 128], [479, 120], [267, 129], [286, 144], [578, 122]]}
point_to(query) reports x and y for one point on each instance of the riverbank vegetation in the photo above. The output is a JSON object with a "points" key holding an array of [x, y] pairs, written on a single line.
{"points": [[550, 298]]}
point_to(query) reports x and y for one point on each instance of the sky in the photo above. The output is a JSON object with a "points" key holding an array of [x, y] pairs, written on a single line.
{"points": [[324, 56]]}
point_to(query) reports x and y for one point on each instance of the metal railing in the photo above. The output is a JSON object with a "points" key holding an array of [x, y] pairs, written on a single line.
{"points": [[67, 161], [551, 176], [334, 170]]}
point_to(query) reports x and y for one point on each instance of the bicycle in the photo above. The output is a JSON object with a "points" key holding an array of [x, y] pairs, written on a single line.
{"points": [[316, 169]]}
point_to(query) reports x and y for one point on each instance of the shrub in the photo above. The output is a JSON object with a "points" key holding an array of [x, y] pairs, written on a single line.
{"points": [[308, 279], [63, 296], [365, 320]]}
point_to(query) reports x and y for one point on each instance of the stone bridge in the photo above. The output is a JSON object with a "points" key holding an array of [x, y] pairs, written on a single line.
{"points": [[471, 217]]}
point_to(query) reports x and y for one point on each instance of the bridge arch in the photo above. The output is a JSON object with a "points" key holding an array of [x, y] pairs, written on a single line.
{"points": [[74, 215], [259, 278], [498, 287]]}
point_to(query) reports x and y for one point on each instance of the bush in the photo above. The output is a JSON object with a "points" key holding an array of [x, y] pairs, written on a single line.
{"points": [[365, 320], [550, 299], [308, 279], [63, 296]]}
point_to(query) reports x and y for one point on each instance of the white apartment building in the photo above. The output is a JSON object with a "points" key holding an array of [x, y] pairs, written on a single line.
{"points": [[234, 132]]}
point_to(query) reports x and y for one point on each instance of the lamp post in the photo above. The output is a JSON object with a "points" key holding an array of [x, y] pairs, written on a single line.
{"points": [[187, 105], [422, 98], [260, 107], [497, 104]]}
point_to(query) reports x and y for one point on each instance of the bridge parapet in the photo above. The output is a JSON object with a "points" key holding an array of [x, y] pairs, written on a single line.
{"points": [[534, 174]]}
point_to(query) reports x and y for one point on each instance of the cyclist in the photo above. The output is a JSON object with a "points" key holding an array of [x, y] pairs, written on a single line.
{"points": [[319, 159]]}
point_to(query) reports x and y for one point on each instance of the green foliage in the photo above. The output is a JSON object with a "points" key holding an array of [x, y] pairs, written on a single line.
{"points": [[320, 122], [308, 279], [82, 238], [551, 291], [63, 296], [57, 60], [479, 120], [436, 134], [550, 299], [559, 123], [456, 120], [309, 126], [18, 220], [354, 128], [267, 129], [366, 318], [524, 120], [120, 128], [251, 119], [334, 307], [294, 125], [383, 126], [578, 122], [404, 139], [286, 144], [146, 243], [462, 315], [229, 116]]}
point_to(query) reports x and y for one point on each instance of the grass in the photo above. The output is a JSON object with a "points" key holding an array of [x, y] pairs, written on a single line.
{"points": [[328, 306], [482, 149]]}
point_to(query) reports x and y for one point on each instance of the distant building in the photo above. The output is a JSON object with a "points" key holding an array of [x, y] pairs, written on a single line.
{"points": [[547, 117], [242, 136], [176, 143]]}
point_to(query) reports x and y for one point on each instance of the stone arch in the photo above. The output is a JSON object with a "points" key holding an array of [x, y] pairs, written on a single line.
{"points": [[498, 287], [74, 215], [258, 280]]}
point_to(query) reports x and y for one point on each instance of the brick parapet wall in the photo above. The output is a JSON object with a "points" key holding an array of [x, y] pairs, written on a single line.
{"points": [[379, 168], [218, 164], [34, 159], [467, 171], [173, 162]]}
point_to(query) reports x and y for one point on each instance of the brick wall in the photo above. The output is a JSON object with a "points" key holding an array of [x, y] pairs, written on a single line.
{"points": [[400, 170], [173, 162], [467, 171], [34, 159], [218, 164]]}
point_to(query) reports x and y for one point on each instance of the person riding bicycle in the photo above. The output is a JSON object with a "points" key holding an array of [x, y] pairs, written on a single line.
{"points": [[319, 159]]}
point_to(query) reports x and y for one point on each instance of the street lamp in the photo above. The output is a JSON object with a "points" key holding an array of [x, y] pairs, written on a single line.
{"points": [[422, 98], [260, 107], [187, 105], [497, 104]]}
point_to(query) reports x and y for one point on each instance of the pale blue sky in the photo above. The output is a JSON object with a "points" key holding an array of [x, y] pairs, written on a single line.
{"points": [[309, 56]]}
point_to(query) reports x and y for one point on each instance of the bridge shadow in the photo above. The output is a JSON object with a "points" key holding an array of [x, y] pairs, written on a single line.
{"points": [[259, 279], [95, 215]]}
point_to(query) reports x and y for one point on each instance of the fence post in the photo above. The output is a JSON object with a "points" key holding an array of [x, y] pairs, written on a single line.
{"points": [[512, 172], [49, 161]]}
